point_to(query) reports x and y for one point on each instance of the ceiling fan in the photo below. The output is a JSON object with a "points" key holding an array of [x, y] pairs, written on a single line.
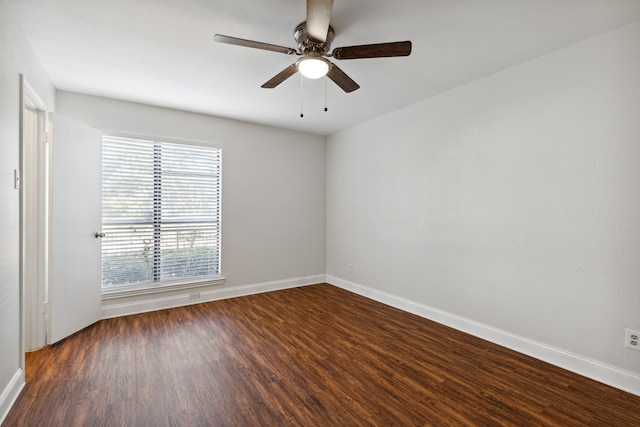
{"points": [[314, 37]]}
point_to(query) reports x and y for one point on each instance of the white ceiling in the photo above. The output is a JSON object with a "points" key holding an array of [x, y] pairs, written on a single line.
{"points": [[161, 52]]}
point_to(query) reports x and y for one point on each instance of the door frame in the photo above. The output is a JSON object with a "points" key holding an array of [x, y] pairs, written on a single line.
{"points": [[34, 311]]}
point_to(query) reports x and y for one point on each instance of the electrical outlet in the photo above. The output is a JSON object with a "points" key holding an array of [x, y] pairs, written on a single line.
{"points": [[195, 295], [631, 339], [350, 267]]}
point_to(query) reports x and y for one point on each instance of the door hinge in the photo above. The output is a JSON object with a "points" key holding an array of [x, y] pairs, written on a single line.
{"points": [[16, 179], [44, 139]]}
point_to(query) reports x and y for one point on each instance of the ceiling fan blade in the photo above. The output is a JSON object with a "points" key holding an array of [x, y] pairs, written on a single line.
{"points": [[280, 77], [318, 17], [339, 77], [256, 45], [380, 50]]}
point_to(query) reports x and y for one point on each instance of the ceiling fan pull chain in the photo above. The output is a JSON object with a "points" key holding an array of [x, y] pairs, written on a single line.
{"points": [[301, 96], [325, 94]]}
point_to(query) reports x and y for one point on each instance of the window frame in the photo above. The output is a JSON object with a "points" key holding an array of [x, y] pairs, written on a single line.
{"points": [[152, 287]]}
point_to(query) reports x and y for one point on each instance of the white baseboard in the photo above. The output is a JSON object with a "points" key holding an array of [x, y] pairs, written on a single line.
{"points": [[11, 393], [155, 302], [589, 368]]}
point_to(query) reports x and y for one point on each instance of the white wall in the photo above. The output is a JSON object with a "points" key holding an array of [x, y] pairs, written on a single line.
{"points": [[16, 57], [513, 201], [273, 206]]}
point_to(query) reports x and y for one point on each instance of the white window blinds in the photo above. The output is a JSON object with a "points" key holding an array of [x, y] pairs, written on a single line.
{"points": [[160, 211]]}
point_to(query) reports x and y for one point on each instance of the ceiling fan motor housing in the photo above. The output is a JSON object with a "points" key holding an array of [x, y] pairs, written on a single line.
{"points": [[307, 45]]}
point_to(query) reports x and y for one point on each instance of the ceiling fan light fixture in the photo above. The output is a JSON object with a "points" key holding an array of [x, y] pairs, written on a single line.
{"points": [[313, 67]]}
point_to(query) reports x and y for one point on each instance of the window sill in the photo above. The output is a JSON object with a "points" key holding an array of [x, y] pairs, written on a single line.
{"points": [[148, 289]]}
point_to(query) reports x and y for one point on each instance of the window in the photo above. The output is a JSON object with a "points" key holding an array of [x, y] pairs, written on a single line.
{"points": [[160, 212]]}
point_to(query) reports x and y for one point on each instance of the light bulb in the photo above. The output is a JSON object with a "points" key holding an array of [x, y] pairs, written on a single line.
{"points": [[313, 67]]}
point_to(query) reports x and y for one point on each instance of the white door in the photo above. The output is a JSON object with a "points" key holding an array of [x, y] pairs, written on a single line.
{"points": [[76, 204]]}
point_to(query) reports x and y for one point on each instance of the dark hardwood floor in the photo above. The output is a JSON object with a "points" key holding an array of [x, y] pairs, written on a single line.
{"points": [[311, 356]]}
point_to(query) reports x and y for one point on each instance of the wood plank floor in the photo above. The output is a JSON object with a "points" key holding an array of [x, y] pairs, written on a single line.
{"points": [[311, 356]]}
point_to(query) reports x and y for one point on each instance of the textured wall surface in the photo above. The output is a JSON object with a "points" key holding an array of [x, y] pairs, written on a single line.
{"points": [[273, 184], [512, 201]]}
